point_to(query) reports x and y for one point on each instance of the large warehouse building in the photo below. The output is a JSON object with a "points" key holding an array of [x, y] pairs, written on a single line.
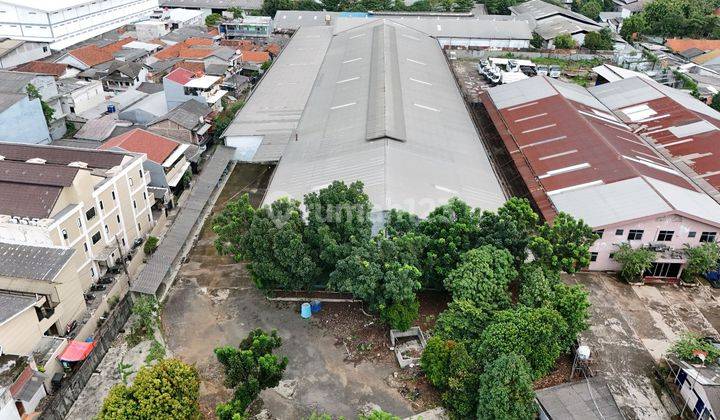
{"points": [[376, 103], [577, 157], [62, 23]]}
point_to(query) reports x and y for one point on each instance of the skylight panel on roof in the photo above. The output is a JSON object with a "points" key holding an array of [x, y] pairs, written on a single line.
{"points": [[638, 112], [564, 170], [651, 165]]}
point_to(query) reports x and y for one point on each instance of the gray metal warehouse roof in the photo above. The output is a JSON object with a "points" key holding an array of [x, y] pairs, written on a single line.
{"points": [[12, 304], [32, 262], [276, 104], [385, 110]]}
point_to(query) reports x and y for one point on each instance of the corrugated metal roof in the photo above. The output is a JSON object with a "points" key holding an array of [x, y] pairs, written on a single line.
{"points": [[32, 262], [275, 106], [385, 110], [12, 304], [584, 159]]}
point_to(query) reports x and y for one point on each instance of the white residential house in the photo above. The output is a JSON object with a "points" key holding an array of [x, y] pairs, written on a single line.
{"points": [[79, 96], [63, 23], [15, 52]]}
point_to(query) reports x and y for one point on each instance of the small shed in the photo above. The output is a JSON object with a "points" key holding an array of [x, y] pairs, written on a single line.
{"points": [[588, 399]]}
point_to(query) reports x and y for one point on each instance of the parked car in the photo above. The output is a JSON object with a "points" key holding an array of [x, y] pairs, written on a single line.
{"points": [[137, 242], [513, 66], [97, 287], [555, 72], [106, 280], [89, 297], [543, 70]]}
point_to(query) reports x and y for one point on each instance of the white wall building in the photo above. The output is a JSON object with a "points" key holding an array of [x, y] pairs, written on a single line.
{"points": [[63, 23]]}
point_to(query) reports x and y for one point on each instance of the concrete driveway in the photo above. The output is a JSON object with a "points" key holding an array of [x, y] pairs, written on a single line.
{"points": [[631, 329]]}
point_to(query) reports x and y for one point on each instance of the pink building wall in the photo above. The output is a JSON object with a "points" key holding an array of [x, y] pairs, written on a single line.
{"points": [[681, 225]]}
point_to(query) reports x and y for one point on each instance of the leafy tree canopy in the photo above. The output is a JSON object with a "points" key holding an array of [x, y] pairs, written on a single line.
{"points": [[168, 390], [249, 368], [564, 245], [634, 261], [510, 228], [565, 42], [599, 40], [463, 320], [483, 276], [700, 260], [444, 359], [535, 333], [506, 390]]}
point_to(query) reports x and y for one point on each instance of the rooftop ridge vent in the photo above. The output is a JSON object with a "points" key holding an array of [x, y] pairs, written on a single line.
{"points": [[385, 117]]}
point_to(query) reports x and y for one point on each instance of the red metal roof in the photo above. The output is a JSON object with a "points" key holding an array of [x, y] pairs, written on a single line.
{"points": [[180, 75], [43, 67], [559, 143], [156, 147], [699, 151]]}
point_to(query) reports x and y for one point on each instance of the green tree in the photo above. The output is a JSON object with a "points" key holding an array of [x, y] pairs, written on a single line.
{"points": [[461, 397], [452, 229], [400, 222], [599, 40], [537, 284], [463, 320], [225, 117], [565, 42], [500, 7], [510, 228], [213, 19], [444, 359], [592, 9], [564, 245], [700, 260], [506, 390], [271, 239], [338, 219], [167, 390], [151, 244], [249, 368], [47, 110], [687, 346], [715, 104], [378, 415], [572, 303], [270, 7], [634, 261], [383, 273], [633, 26], [537, 41], [236, 11], [538, 334], [483, 276]]}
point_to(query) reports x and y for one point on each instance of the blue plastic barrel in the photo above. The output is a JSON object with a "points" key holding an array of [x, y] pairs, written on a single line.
{"points": [[110, 108], [305, 310], [315, 306]]}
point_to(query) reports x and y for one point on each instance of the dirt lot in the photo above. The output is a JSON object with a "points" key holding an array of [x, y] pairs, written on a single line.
{"points": [[214, 303], [631, 327]]}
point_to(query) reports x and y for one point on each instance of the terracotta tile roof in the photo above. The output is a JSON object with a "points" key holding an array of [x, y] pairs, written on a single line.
{"points": [[240, 44], [55, 69], [195, 67], [273, 49], [168, 52], [60, 155], [214, 32], [702, 59], [257, 57], [198, 53], [180, 76], [682, 44], [91, 55], [117, 46], [190, 42], [156, 147]]}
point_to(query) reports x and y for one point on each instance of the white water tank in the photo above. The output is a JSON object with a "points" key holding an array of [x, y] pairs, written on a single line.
{"points": [[583, 353]]}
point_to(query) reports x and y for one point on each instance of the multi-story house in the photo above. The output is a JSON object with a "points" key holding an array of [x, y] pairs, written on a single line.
{"points": [[182, 85], [93, 201], [63, 23]]}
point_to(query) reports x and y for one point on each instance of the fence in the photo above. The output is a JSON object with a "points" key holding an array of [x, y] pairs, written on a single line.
{"points": [[576, 56], [60, 403]]}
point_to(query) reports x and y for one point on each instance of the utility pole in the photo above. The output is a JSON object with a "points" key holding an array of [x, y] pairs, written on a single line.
{"points": [[122, 258]]}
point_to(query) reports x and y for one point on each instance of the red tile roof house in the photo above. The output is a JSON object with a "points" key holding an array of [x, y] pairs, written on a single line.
{"points": [[577, 155], [166, 160], [181, 85], [57, 70], [91, 55]]}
